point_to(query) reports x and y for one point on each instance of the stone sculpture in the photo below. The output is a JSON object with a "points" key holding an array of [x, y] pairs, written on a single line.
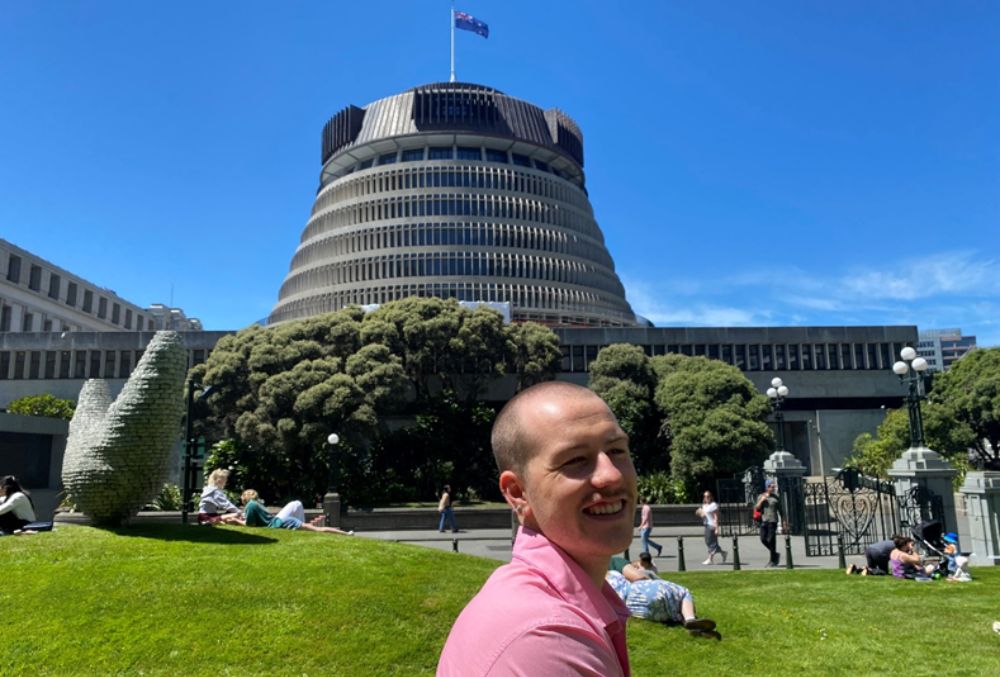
{"points": [[118, 453]]}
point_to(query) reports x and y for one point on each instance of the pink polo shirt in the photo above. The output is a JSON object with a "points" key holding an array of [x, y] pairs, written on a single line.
{"points": [[538, 615]]}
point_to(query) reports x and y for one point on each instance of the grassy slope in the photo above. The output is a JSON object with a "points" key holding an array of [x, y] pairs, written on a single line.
{"points": [[194, 600]]}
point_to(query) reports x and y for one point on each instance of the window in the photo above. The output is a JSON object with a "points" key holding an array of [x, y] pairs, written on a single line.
{"points": [[64, 364], [821, 356], [109, 364], [50, 364], [807, 352], [496, 155], [36, 364], [27, 321], [46, 325], [19, 364], [412, 155], [14, 269], [834, 355], [387, 159], [779, 357], [71, 294], [872, 349], [520, 160], [116, 313], [4, 364], [727, 353], [80, 367], [541, 165], [365, 164], [5, 318], [54, 284], [765, 357], [128, 318], [126, 362], [468, 153], [88, 301], [102, 308], [35, 278], [95, 364], [754, 362], [440, 153], [138, 323], [859, 355], [793, 357], [845, 356]]}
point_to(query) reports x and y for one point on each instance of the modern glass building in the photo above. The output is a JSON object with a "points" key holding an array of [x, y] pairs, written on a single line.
{"points": [[459, 191]]}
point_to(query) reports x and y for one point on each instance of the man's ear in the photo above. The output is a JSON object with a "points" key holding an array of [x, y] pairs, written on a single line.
{"points": [[513, 491]]}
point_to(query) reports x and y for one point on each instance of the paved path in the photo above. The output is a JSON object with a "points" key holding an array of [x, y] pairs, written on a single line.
{"points": [[495, 544]]}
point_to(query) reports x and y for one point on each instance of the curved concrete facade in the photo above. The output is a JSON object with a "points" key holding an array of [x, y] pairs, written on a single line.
{"points": [[456, 191]]}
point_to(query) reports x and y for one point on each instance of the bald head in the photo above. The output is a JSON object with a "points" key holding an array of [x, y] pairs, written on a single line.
{"points": [[512, 441]]}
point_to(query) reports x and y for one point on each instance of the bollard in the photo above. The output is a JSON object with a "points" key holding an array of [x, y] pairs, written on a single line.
{"points": [[788, 552], [454, 545], [680, 554], [841, 560], [736, 553]]}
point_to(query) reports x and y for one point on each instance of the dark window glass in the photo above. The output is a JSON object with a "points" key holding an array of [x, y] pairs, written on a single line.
{"points": [[659, 349], [779, 357], [387, 159], [845, 356], [71, 294], [686, 349], [872, 349], [741, 357], [578, 363], [109, 364], [88, 301], [859, 355], [36, 364], [591, 354], [834, 355], [699, 349], [365, 164], [95, 364], [19, 364], [64, 364], [50, 364], [412, 155], [35, 278], [727, 354], [138, 323], [440, 153], [4, 364], [713, 351], [128, 318], [886, 357], [496, 155], [541, 165], [821, 356], [102, 307], [5, 318], [27, 322], [566, 361], [520, 160], [126, 363], [47, 325], [674, 348], [793, 357], [468, 153], [55, 282], [807, 353], [80, 367], [754, 363], [116, 313], [14, 269]]}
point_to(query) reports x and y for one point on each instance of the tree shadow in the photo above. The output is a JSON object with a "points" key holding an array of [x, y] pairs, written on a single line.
{"points": [[191, 533]]}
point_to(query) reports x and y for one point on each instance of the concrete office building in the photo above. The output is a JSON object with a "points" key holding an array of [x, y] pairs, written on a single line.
{"points": [[942, 347], [458, 191]]}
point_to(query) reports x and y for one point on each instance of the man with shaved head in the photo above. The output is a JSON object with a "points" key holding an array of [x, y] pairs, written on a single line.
{"points": [[566, 470]]}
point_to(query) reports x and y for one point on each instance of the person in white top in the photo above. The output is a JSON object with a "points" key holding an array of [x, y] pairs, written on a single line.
{"points": [[215, 506], [17, 508], [709, 514]]}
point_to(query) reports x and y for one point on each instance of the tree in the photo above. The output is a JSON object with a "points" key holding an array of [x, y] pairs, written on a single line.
{"points": [[42, 405], [623, 377], [714, 418], [278, 392], [968, 395]]}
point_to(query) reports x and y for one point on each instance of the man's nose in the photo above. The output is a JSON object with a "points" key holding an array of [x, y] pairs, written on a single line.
{"points": [[606, 472]]}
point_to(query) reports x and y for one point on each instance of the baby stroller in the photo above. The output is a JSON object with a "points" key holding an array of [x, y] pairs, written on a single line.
{"points": [[934, 544]]}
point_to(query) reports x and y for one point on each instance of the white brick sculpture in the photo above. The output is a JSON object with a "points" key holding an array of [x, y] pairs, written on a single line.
{"points": [[118, 453]]}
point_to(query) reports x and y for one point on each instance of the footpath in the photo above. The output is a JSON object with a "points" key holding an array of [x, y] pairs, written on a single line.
{"points": [[495, 544]]}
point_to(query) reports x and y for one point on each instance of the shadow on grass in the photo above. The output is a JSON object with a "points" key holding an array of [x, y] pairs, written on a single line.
{"points": [[192, 534]]}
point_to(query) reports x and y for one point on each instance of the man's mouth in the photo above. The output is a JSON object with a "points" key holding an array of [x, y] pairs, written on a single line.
{"points": [[606, 508]]}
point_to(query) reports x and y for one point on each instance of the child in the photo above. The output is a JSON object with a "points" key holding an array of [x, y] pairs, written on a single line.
{"points": [[957, 563]]}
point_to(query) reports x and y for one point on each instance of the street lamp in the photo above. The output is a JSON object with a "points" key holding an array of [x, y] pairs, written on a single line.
{"points": [[911, 371], [331, 501], [778, 392]]}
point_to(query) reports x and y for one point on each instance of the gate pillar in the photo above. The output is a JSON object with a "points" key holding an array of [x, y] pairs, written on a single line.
{"points": [[920, 467], [789, 472], [982, 503]]}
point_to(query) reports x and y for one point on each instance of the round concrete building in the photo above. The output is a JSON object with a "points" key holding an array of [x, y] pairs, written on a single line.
{"points": [[457, 191]]}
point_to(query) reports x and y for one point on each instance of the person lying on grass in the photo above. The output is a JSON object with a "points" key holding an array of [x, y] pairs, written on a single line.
{"points": [[662, 601], [214, 506], [292, 516]]}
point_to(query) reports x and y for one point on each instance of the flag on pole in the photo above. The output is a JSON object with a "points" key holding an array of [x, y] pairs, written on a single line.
{"points": [[467, 22]]}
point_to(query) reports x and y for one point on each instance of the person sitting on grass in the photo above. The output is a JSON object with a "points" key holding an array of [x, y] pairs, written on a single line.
{"points": [[214, 506], [904, 562], [292, 516], [956, 563], [16, 509], [662, 601]]}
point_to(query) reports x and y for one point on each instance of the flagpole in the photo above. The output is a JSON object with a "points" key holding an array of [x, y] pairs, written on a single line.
{"points": [[451, 22]]}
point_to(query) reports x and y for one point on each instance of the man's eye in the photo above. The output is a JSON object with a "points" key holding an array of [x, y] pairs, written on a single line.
{"points": [[576, 460], [617, 452]]}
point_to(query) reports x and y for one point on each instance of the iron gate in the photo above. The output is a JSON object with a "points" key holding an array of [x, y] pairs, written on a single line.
{"points": [[736, 497]]}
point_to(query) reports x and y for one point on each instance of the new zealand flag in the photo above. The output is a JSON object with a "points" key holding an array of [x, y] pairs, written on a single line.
{"points": [[467, 22]]}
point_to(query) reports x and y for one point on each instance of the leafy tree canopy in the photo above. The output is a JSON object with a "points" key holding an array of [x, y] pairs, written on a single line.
{"points": [[42, 405], [968, 395]]}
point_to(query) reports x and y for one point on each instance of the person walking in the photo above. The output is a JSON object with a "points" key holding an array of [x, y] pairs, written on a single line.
{"points": [[444, 508], [646, 528], [770, 510], [709, 514]]}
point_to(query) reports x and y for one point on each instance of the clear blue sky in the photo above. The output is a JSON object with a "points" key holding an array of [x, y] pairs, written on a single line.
{"points": [[765, 163]]}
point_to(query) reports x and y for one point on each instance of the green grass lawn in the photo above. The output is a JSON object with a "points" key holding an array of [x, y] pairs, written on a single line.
{"points": [[185, 600]]}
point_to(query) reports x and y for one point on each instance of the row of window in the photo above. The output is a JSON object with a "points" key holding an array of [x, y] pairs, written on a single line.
{"points": [[505, 236], [451, 264], [484, 178], [54, 291], [762, 357], [474, 205], [75, 364], [525, 299]]}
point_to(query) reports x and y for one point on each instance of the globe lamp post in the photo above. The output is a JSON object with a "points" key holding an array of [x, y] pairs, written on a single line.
{"points": [[912, 372], [777, 393]]}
